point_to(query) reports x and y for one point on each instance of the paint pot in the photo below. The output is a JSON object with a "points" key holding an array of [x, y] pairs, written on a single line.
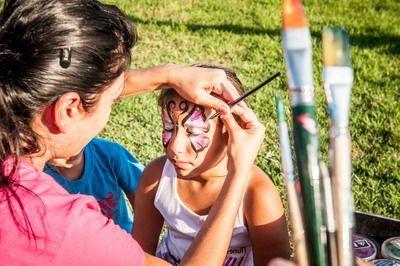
{"points": [[391, 248], [386, 262], [364, 248]]}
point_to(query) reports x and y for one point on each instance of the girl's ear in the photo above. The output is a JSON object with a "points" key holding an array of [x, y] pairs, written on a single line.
{"points": [[64, 112]]}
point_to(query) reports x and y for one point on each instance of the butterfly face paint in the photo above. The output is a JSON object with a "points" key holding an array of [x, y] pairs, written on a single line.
{"points": [[194, 122]]}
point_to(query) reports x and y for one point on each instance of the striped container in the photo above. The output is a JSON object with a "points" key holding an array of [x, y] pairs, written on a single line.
{"points": [[391, 248], [386, 262]]}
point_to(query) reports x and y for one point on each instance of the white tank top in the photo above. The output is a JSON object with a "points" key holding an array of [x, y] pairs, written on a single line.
{"points": [[184, 224]]}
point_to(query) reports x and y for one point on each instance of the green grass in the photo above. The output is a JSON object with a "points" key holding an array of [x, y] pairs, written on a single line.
{"points": [[245, 35]]}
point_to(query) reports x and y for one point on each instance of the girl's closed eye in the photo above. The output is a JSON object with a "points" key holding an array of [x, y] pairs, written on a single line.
{"points": [[193, 130]]}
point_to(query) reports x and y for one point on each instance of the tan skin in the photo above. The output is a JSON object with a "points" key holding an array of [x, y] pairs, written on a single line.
{"points": [[200, 179], [65, 127]]}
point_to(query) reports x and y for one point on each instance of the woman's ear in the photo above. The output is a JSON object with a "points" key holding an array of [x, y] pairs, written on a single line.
{"points": [[65, 111]]}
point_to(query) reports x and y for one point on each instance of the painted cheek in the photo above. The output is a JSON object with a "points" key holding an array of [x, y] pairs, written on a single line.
{"points": [[199, 142], [167, 128], [166, 137]]}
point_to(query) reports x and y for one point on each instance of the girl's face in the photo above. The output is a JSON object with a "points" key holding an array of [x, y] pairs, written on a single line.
{"points": [[191, 144]]}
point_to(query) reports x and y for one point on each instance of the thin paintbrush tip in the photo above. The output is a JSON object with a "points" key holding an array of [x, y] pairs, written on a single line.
{"points": [[336, 47], [293, 15]]}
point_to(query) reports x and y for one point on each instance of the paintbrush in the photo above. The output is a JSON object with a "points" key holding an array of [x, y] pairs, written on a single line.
{"points": [[247, 94], [338, 80], [295, 216], [329, 215], [297, 50]]}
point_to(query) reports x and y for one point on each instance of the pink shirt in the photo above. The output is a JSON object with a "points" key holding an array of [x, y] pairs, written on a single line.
{"points": [[69, 229]]}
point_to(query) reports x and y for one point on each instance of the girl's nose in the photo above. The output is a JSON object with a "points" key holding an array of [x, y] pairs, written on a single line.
{"points": [[177, 144]]}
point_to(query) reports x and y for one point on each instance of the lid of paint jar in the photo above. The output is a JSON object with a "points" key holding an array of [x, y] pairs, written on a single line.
{"points": [[386, 262], [364, 248], [391, 248]]}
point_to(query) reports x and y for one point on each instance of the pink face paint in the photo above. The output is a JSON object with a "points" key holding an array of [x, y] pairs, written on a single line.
{"points": [[194, 122], [199, 142], [196, 126], [168, 127]]}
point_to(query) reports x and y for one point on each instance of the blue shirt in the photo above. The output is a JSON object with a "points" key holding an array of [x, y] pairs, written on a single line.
{"points": [[109, 171]]}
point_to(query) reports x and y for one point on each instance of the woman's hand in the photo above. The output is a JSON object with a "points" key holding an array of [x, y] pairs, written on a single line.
{"points": [[246, 134], [197, 83]]}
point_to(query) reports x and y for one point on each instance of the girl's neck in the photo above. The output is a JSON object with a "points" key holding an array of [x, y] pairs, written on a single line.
{"points": [[218, 171]]}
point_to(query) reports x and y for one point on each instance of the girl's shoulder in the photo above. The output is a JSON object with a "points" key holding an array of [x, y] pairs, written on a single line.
{"points": [[156, 165], [259, 181], [261, 191], [153, 171]]}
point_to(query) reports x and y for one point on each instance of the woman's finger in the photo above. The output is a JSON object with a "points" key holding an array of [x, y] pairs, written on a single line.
{"points": [[246, 115], [226, 90], [213, 102]]}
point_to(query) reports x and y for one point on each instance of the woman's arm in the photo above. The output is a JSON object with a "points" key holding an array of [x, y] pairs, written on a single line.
{"points": [[193, 83], [265, 219], [148, 221]]}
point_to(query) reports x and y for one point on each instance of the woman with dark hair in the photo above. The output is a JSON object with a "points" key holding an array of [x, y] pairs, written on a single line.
{"points": [[62, 65]]}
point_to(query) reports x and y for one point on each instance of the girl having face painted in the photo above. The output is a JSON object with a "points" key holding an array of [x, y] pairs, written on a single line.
{"points": [[180, 188]]}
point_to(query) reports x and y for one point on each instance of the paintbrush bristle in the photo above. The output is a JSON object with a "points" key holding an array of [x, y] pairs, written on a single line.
{"points": [[336, 48], [293, 15]]}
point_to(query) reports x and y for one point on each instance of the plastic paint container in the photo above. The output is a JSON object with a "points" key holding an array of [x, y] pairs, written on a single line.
{"points": [[364, 248], [386, 262], [391, 248]]}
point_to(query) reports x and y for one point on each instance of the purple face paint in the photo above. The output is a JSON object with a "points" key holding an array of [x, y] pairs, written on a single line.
{"points": [[364, 248], [196, 126], [168, 127], [194, 122]]}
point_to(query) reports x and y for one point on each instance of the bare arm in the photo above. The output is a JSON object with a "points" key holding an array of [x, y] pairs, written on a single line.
{"points": [[193, 83], [148, 221], [131, 198], [265, 219]]}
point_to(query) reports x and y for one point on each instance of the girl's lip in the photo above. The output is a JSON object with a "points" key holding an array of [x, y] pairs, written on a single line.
{"points": [[181, 164]]}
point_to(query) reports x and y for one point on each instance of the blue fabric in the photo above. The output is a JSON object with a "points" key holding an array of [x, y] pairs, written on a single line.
{"points": [[109, 171]]}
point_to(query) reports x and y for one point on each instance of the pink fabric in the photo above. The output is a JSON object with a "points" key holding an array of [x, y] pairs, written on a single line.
{"points": [[69, 229]]}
